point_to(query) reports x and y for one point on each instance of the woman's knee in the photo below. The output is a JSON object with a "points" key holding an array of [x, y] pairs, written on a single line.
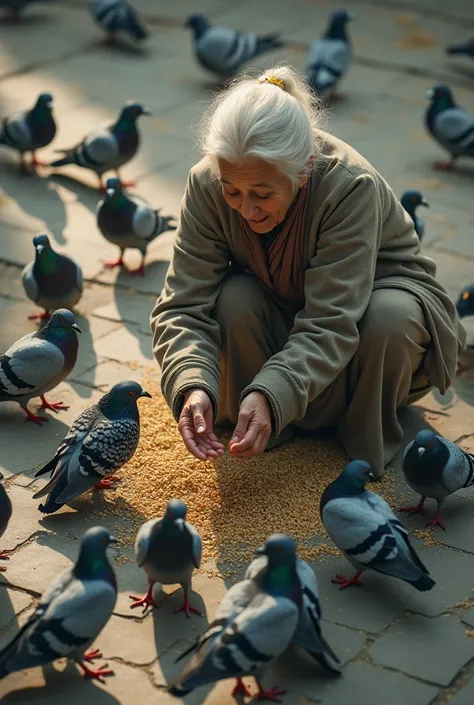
{"points": [[394, 318]]}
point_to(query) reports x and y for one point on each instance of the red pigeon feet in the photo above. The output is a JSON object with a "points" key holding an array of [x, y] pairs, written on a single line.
{"points": [[145, 601], [39, 420], [45, 316], [116, 263], [107, 483], [128, 184], [139, 271], [37, 162], [240, 687], [186, 607], [91, 654], [444, 166], [436, 522], [53, 405], [415, 510], [347, 582], [270, 694], [3, 557], [96, 673]]}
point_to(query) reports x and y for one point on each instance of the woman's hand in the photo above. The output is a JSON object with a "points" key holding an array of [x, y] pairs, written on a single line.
{"points": [[253, 426], [195, 426]]}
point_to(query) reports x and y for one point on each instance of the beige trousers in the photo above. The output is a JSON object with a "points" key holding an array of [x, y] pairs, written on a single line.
{"points": [[362, 402]]}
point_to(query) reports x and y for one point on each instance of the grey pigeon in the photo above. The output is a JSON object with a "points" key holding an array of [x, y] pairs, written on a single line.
{"points": [[100, 441], [465, 302], [329, 56], [70, 614], [254, 624], [451, 126], [117, 16], [463, 48], [38, 362], [51, 280], [410, 201], [304, 589], [368, 533], [5, 515], [168, 550], [30, 130], [435, 467], [108, 147], [127, 221], [222, 50]]}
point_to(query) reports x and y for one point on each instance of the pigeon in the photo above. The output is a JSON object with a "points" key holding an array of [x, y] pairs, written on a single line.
{"points": [[465, 302], [308, 635], [329, 56], [117, 16], [410, 201], [463, 48], [108, 147], [71, 613], [254, 624], [222, 50], [30, 130], [52, 280], [435, 467], [5, 515], [451, 126], [38, 362], [100, 441], [168, 550], [127, 221], [365, 529], [15, 6]]}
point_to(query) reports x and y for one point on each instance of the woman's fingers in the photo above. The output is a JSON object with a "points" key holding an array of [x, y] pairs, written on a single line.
{"points": [[246, 442]]}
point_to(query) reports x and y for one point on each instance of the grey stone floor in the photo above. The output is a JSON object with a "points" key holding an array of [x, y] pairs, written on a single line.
{"points": [[397, 645]]}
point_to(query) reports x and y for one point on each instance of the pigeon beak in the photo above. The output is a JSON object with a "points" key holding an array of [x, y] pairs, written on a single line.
{"points": [[371, 477], [39, 249], [112, 539], [430, 94], [260, 551], [75, 327], [179, 523], [143, 393], [424, 203], [421, 451], [110, 192], [145, 111]]}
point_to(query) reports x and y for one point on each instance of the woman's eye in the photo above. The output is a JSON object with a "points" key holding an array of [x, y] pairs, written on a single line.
{"points": [[229, 193], [262, 198]]}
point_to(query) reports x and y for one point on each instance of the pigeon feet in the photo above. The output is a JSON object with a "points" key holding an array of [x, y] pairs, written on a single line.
{"points": [[53, 405], [45, 316], [115, 263], [145, 601], [186, 607], [347, 582], [436, 522], [140, 270], [37, 162], [128, 184], [107, 483], [96, 673], [39, 420], [3, 557], [240, 687], [444, 166], [270, 694], [91, 654], [415, 510]]}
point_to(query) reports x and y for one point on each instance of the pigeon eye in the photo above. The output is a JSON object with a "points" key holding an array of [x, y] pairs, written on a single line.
{"points": [[61, 319], [104, 539], [465, 296], [131, 394]]}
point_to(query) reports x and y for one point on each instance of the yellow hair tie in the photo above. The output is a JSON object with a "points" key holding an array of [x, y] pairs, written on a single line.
{"points": [[275, 81]]}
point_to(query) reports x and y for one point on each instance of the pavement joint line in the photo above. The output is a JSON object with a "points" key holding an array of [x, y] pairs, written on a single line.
{"points": [[30, 539], [464, 676], [433, 411]]}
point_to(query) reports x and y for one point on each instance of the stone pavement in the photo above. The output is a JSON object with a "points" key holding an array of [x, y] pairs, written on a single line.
{"points": [[397, 645]]}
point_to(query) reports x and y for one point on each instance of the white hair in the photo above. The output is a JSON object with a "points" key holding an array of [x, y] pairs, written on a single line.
{"points": [[272, 121]]}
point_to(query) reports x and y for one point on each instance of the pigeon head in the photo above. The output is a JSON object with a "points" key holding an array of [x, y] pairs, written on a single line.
{"points": [[40, 243], [355, 476], [411, 199], [97, 539], [176, 511], [441, 95], [113, 188], [44, 100], [199, 23], [465, 302], [122, 400], [426, 441], [337, 24], [131, 111], [92, 561], [62, 319], [280, 549]]}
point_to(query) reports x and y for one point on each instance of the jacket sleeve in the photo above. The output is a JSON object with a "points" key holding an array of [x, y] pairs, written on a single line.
{"points": [[186, 339], [338, 287]]}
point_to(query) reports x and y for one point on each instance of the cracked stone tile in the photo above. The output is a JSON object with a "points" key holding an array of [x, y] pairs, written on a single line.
{"points": [[11, 631], [127, 346], [129, 640], [10, 282], [128, 308], [465, 696], [156, 267], [108, 372], [412, 646], [468, 618], [92, 330], [24, 520], [11, 603]]}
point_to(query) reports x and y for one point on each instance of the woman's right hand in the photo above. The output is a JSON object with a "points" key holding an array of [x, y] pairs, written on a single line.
{"points": [[195, 426]]}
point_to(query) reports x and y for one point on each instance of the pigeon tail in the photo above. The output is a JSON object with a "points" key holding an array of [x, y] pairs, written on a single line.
{"points": [[268, 42], [136, 29], [326, 662], [49, 467], [176, 690], [424, 583], [67, 159]]}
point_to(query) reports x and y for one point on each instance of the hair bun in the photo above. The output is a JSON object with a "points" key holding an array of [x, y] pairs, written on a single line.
{"points": [[274, 80]]}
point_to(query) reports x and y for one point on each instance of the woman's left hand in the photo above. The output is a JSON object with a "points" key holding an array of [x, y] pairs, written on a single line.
{"points": [[253, 426]]}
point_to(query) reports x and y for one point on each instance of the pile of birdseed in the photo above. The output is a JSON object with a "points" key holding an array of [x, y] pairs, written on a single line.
{"points": [[234, 504]]}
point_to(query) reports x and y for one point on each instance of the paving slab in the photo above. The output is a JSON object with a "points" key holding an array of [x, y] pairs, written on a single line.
{"points": [[465, 696], [11, 603], [128, 307], [126, 345], [106, 373], [413, 647], [468, 618], [24, 520]]}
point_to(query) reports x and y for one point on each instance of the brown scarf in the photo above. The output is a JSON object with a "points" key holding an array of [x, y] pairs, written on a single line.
{"points": [[281, 266]]}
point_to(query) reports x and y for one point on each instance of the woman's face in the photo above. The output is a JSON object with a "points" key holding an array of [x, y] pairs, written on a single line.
{"points": [[258, 191]]}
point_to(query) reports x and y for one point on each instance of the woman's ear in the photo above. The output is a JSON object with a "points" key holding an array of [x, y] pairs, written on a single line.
{"points": [[309, 163]]}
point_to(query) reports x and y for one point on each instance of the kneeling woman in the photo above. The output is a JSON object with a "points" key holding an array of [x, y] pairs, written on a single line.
{"points": [[297, 295]]}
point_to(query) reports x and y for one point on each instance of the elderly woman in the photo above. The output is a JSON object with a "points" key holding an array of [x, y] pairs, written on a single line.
{"points": [[297, 296]]}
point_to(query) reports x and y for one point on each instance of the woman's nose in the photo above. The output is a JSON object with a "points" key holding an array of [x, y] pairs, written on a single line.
{"points": [[248, 209]]}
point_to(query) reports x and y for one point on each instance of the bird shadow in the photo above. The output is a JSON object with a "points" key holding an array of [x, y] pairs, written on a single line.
{"points": [[26, 21], [89, 196], [466, 71], [122, 48], [8, 618], [87, 358]]}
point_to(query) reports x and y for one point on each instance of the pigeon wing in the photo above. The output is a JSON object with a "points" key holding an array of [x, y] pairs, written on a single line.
{"points": [[16, 132], [455, 127], [29, 365], [459, 470], [145, 221], [100, 148], [196, 544], [332, 54], [142, 541], [29, 282]]}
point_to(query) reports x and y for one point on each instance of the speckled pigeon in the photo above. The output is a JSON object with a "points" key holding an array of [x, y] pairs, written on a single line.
{"points": [[222, 50], [108, 147], [329, 56], [38, 362], [128, 221], [71, 613], [435, 467], [30, 130], [410, 201], [451, 126], [304, 590], [117, 16], [465, 302], [368, 533], [254, 624], [463, 48], [168, 550], [100, 441], [51, 280], [5, 515]]}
